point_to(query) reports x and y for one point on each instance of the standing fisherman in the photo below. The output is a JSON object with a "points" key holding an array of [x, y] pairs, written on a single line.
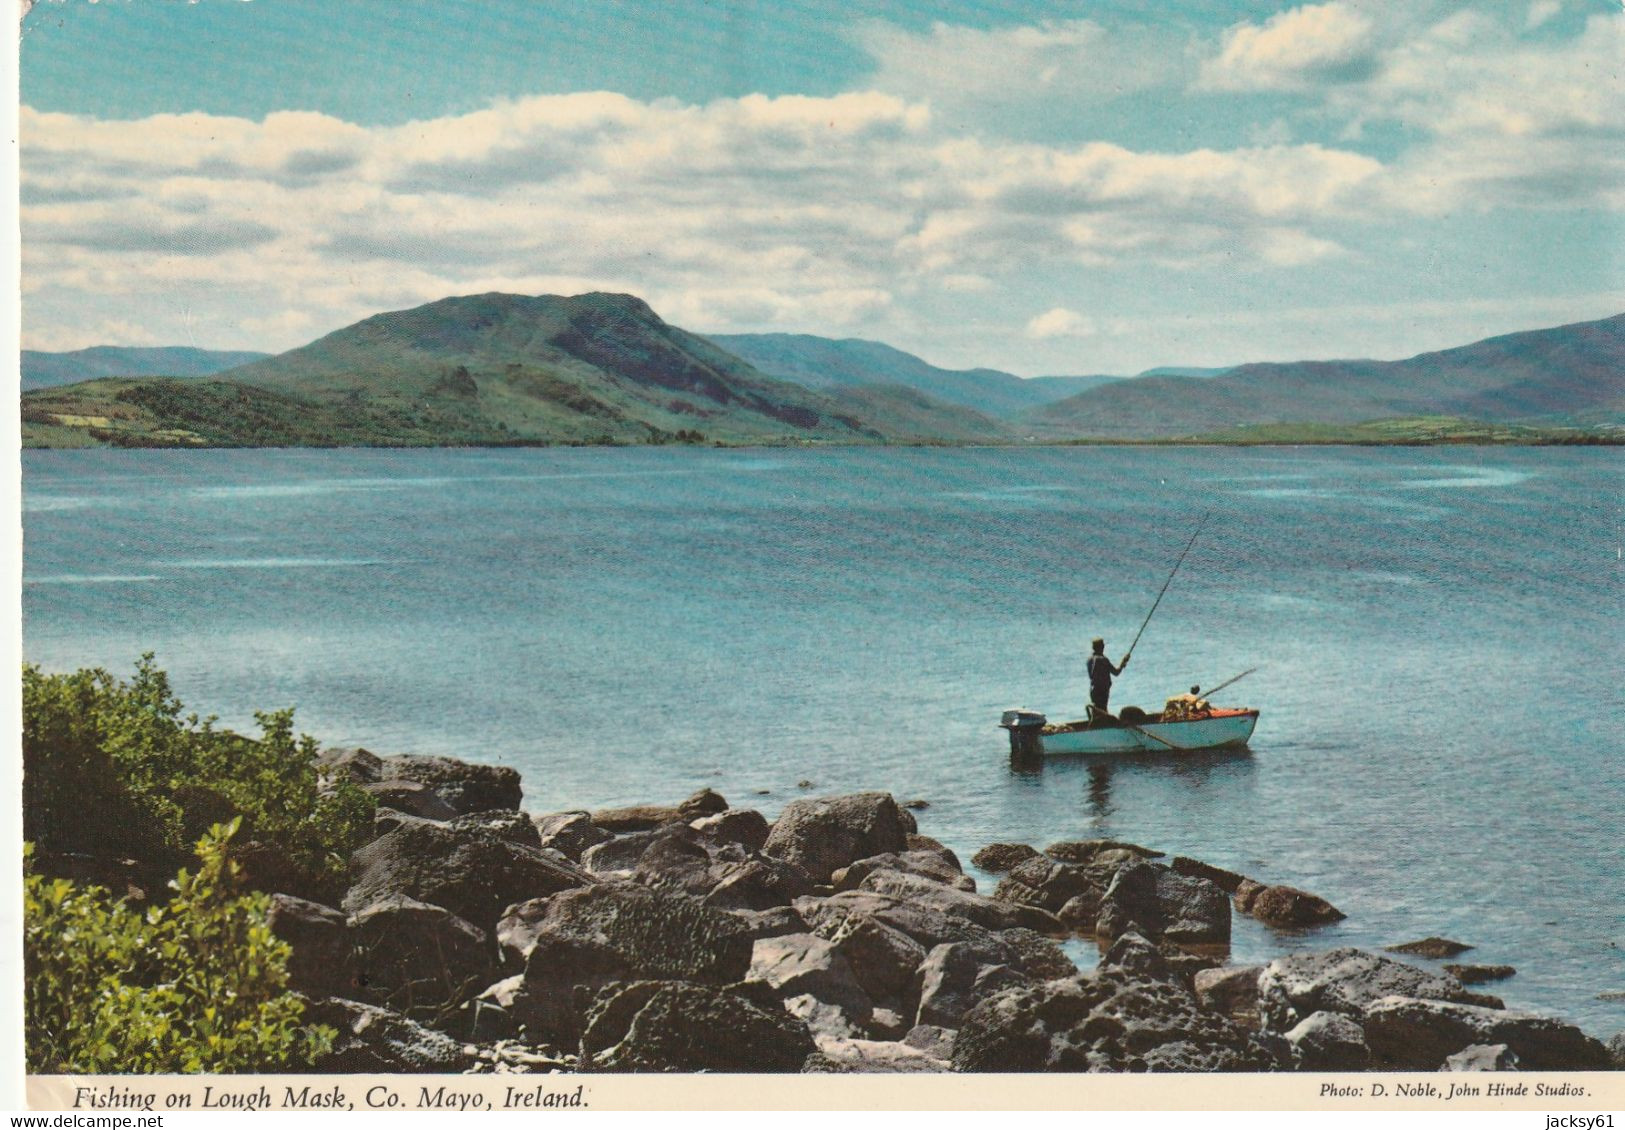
{"points": [[1101, 672]]}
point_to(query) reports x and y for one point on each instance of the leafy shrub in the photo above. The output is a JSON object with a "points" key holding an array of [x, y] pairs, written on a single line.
{"points": [[115, 769], [198, 984]]}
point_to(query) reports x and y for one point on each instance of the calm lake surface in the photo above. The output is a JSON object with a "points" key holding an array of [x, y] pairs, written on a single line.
{"points": [[1440, 750]]}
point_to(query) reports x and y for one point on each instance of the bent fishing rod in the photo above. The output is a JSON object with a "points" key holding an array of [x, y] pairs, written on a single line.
{"points": [[1165, 585]]}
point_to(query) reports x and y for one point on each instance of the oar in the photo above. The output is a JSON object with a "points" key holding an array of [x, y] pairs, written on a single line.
{"points": [[1236, 679], [1165, 585]]}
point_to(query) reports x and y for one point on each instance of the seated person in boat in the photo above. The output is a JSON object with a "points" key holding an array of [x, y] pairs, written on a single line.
{"points": [[1101, 672], [1183, 707]]}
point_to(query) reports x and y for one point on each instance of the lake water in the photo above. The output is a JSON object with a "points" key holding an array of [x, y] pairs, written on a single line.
{"points": [[1438, 633]]}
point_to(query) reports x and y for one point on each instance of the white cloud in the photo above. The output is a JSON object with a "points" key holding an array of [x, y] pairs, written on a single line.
{"points": [[1060, 322], [1295, 49], [1541, 12]]}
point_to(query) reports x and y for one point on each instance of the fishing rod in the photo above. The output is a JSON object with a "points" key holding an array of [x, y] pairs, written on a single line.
{"points": [[1165, 585], [1227, 682]]}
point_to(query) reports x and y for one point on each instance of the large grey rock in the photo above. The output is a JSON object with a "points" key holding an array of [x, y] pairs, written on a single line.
{"points": [[1329, 1041], [411, 797], [322, 963], [647, 817], [417, 958], [772, 923], [923, 864], [677, 1026], [617, 855], [360, 766], [1230, 989], [570, 833], [823, 835], [377, 1041], [1086, 851], [1161, 903], [882, 957], [863, 1057], [758, 883], [1482, 1057], [505, 823], [1050, 884], [916, 842], [953, 981], [1037, 956], [1102, 1022], [797, 965], [1292, 908], [990, 913], [465, 786], [839, 914], [518, 929], [1001, 857], [1347, 980], [1407, 1033], [1226, 881], [471, 871], [743, 826]]}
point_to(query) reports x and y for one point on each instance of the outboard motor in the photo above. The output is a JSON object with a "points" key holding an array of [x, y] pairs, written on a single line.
{"points": [[1024, 726]]}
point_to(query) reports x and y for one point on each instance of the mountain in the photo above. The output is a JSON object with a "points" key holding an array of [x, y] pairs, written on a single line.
{"points": [[1572, 374], [1182, 371], [830, 363], [45, 370], [490, 368]]}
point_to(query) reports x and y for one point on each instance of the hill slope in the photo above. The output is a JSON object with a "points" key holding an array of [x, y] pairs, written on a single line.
{"points": [[1567, 374], [46, 370], [829, 363], [491, 368]]}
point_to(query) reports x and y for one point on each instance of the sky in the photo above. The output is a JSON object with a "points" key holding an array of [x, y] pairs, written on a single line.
{"points": [[1044, 188]]}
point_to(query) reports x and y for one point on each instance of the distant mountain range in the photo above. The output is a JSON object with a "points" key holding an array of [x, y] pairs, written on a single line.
{"points": [[1572, 374], [826, 363], [46, 370], [605, 368]]}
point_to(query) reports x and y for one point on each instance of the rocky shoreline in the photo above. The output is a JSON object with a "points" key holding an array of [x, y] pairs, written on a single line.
{"points": [[475, 937]]}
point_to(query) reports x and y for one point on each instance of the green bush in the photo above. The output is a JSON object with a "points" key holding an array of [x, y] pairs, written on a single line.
{"points": [[198, 984], [114, 769]]}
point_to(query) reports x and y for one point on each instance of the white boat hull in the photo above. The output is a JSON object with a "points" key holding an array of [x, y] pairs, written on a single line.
{"points": [[1221, 729]]}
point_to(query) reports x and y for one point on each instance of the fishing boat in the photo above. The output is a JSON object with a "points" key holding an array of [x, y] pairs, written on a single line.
{"points": [[1132, 731]]}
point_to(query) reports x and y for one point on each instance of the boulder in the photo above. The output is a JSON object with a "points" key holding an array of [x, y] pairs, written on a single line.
{"points": [[823, 835], [983, 911], [678, 1026], [1104, 1022], [938, 1043], [1408, 1033], [647, 817], [760, 883], [411, 797], [1477, 974], [1230, 989], [418, 959], [465, 786], [795, 965], [772, 923], [507, 824], [1036, 955], [471, 871], [618, 855], [744, 826], [1085, 851], [1164, 904], [1482, 1057], [1616, 1051], [517, 931], [1430, 947], [569, 833], [1347, 980], [1131, 953], [855, 1056], [834, 917], [916, 842], [353, 764], [1290, 907], [376, 1041], [952, 980], [1226, 881], [882, 958], [924, 864], [1329, 1041], [322, 963], [1049, 884], [998, 858], [1246, 892], [676, 859]]}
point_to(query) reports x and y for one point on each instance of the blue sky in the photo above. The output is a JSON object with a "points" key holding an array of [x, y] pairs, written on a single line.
{"points": [[1045, 188]]}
